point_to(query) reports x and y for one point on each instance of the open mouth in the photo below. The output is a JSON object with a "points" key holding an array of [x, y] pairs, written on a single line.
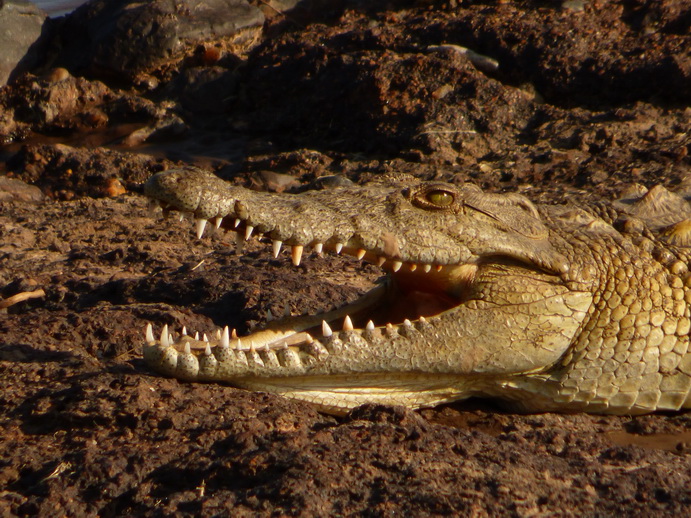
{"points": [[411, 293]]}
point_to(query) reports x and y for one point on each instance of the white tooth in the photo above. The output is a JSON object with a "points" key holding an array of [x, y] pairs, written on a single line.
{"points": [[196, 336], [217, 222], [207, 351], [360, 254], [326, 330], [205, 338], [233, 334], [164, 336], [200, 225], [422, 320], [347, 324], [412, 267], [370, 326], [150, 334], [407, 323], [225, 338], [296, 253], [237, 222], [427, 268], [170, 339], [396, 265], [318, 248], [181, 216], [188, 349], [248, 232], [184, 331], [338, 247], [239, 243], [381, 261], [269, 315], [218, 334], [277, 247]]}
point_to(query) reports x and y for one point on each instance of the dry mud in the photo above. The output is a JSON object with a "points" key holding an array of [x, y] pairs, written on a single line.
{"points": [[587, 98]]}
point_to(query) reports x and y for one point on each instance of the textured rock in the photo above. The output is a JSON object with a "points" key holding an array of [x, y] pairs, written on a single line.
{"points": [[127, 37], [20, 27]]}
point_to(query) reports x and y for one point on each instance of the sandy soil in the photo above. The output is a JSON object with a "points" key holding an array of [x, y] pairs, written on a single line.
{"points": [[587, 99]]}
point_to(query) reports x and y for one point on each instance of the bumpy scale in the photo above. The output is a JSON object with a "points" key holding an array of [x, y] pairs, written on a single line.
{"points": [[547, 308]]}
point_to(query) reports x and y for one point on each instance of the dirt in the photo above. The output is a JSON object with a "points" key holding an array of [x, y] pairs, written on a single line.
{"points": [[588, 98]]}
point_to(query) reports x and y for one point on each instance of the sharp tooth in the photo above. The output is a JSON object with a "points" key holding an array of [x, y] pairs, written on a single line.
{"points": [[239, 346], [338, 247], [396, 265], [318, 248], [207, 351], [234, 334], [205, 338], [248, 232], [188, 349], [181, 216], [413, 267], [426, 268], [225, 338], [439, 267], [184, 331], [380, 261], [217, 222], [296, 253], [422, 320], [200, 226], [326, 330], [170, 339], [150, 334], [237, 222], [347, 324], [407, 323], [276, 247], [370, 326], [218, 334], [239, 243], [164, 336], [360, 254], [269, 315], [196, 336]]}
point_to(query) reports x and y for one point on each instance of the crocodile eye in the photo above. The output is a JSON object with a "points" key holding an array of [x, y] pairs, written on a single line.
{"points": [[440, 198]]}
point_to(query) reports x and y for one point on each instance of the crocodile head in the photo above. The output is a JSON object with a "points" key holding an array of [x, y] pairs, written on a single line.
{"points": [[477, 295]]}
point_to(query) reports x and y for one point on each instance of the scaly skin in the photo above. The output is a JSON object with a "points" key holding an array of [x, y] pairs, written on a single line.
{"points": [[547, 308]]}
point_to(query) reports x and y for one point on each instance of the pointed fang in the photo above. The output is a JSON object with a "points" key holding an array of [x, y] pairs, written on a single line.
{"points": [[217, 222], [248, 232], [200, 226], [396, 265], [188, 349], [318, 248], [296, 253], [225, 338], [360, 254], [164, 336], [277, 247], [338, 247], [326, 330], [347, 324], [150, 334], [370, 326]]}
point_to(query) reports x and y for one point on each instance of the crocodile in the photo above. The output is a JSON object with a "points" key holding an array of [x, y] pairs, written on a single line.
{"points": [[543, 307]]}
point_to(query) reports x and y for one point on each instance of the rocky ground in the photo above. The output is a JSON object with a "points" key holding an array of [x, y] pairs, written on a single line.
{"points": [[561, 101]]}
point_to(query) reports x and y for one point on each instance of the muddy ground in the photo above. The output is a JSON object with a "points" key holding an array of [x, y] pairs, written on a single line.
{"points": [[561, 101]]}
